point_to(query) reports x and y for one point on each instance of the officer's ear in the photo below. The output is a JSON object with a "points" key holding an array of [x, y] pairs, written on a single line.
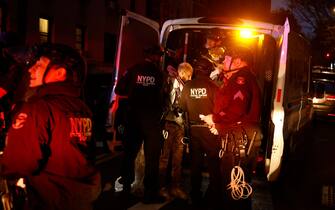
{"points": [[56, 74], [61, 73]]}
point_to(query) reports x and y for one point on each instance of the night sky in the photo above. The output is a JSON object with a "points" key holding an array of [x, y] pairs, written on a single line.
{"points": [[276, 4]]}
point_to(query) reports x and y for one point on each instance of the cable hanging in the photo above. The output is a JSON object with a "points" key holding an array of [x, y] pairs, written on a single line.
{"points": [[239, 188]]}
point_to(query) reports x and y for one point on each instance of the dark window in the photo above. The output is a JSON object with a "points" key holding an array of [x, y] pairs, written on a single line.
{"points": [[132, 5], [109, 47], [319, 90], [330, 88], [324, 87], [1, 19], [80, 39], [3, 15], [153, 9], [111, 4]]}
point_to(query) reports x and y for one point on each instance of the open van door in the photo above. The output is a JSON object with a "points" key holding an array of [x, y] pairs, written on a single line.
{"points": [[274, 63], [268, 43], [136, 34]]}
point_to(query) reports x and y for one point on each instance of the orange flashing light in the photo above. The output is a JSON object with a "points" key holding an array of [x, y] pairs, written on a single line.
{"points": [[246, 33]]}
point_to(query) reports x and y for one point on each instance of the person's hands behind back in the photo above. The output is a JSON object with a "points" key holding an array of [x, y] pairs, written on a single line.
{"points": [[208, 119]]}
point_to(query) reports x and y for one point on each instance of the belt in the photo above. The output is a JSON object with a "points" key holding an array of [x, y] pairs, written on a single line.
{"points": [[198, 124]]}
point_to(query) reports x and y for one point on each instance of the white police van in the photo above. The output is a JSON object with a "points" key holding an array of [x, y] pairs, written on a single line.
{"points": [[281, 62]]}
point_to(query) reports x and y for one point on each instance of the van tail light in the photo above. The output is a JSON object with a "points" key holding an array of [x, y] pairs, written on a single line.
{"points": [[330, 98]]}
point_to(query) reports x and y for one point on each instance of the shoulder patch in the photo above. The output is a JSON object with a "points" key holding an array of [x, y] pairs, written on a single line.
{"points": [[20, 120], [239, 95], [240, 80]]}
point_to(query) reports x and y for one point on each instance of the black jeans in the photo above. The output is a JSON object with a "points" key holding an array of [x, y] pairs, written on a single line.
{"points": [[203, 141], [148, 130]]}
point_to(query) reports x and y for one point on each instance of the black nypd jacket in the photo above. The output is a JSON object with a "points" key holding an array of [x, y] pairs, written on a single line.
{"points": [[197, 98], [143, 84]]}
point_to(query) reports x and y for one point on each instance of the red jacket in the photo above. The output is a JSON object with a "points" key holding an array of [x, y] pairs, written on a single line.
{"points": [[49, 144], [238, 100]]}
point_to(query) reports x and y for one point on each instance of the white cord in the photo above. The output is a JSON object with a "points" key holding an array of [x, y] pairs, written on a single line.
{"points": [[301, 103], [239, 188]]}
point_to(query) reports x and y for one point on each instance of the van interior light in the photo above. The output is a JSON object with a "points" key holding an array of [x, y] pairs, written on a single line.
{"points": [[246, 33]]}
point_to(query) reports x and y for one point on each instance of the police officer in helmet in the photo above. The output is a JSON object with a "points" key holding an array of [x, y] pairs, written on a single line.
{"points": [[236, 118], [49, 141]]}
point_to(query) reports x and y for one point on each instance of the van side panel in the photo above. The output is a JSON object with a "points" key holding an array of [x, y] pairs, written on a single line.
{"points": [[273, 164], [267, 68], [296, 105]]}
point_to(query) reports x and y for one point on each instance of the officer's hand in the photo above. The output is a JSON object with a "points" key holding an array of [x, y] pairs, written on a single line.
{"points": [[208, 119], [214, 130], [214, 74], [219, 67]]}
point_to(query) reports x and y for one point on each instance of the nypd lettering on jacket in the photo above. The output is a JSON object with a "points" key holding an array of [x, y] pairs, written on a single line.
{"points": [[145, 80], [198, 93], [81, 128]]}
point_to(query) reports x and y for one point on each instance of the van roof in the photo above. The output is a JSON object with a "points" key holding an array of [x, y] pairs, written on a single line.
{"points": [[220, 22]]}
